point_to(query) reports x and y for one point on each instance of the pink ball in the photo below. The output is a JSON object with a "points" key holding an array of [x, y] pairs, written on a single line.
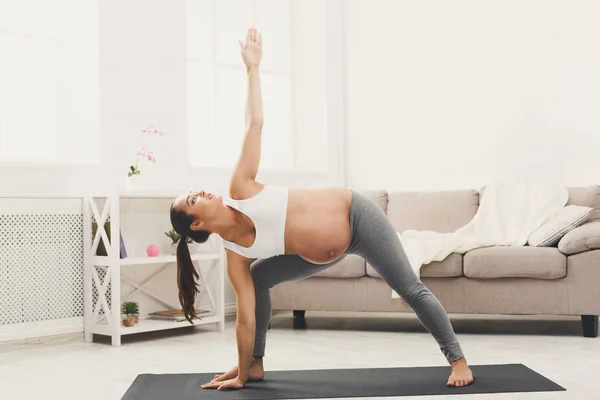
{"points": [[153, 250]]}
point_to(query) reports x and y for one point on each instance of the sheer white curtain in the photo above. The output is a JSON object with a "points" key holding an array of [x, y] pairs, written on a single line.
{"points": [[293, 77], [49, 83]]}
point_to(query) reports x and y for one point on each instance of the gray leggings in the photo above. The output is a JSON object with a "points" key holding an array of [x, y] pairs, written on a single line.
{"points": [[375, 240]]}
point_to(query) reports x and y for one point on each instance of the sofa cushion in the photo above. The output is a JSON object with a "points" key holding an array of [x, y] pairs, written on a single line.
{"points": [[583, 238], [450, 267], [443, 211], [588, 196], [515, 262], [353, 266], [567, 219]]}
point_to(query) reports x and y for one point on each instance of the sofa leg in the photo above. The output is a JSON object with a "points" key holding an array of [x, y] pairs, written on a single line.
{"points": [[590, 325], [299, 313]]}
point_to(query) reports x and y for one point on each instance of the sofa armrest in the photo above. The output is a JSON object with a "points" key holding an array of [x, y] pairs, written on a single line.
{"points": [[583, 238]]}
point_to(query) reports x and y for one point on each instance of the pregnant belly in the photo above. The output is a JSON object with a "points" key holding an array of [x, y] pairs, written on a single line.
{"points": [[321, 245], [319, 235]]}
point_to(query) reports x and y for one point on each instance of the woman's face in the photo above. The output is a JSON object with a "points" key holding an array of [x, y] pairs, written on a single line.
{"points": [[203, 206]]}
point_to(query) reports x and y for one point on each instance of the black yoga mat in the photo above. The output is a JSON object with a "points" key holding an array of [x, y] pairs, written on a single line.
{"points": [[331, 383]]}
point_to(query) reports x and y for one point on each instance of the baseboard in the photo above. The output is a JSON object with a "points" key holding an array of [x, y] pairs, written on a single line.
{"points": [[230, 308], [39, 329]]}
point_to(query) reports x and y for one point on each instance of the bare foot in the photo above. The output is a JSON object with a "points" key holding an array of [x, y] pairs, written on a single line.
{"points": [[461, 374], [256, 372]]}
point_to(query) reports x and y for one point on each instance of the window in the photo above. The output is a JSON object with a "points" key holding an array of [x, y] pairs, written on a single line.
{"points": [[293, 79], [49, 94]]}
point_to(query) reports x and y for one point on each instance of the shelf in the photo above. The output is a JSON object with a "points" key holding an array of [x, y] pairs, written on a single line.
{"points": [[100, 290], [104, 260], [148, 324]]}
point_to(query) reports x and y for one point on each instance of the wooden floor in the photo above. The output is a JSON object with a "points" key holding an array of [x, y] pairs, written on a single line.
{"points": [[68, 368]]}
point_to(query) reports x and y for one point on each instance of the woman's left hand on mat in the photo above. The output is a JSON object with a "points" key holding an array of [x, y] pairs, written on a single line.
{"points": [[235, 383]]}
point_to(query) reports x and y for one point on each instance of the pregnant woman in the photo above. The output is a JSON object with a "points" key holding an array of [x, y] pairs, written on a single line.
{"points": [[277, 234]]}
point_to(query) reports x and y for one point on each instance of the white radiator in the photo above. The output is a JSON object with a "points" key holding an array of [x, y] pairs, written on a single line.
{"points": [[41, 267]]}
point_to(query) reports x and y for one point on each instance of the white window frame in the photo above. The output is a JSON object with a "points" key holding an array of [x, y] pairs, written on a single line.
{"points": [[239, 66], [53, 40], [8, 163], [335, 172]]}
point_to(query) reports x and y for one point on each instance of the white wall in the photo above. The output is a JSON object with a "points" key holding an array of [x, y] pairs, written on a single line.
{"points": [[142, 79], [456, 94], [142, 50], [142, 56]]}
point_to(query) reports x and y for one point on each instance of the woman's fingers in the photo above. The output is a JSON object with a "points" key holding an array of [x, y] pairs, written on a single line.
{"points": [[252, 35]]}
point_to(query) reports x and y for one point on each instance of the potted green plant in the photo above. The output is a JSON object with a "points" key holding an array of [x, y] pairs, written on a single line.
{"points": [[175, 237], [131, 311]]}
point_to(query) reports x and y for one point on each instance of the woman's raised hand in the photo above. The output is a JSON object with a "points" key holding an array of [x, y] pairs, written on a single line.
{"points": [[252, 50]]}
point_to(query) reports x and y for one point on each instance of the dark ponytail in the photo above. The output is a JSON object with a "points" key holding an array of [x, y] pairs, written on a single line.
{"points": [[186, 272]]}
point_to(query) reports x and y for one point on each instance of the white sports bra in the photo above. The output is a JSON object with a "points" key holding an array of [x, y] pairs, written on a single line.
{"points": [[268, 212]]}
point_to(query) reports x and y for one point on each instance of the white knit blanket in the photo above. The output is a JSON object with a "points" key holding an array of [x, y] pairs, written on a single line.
{"points": [[507, 215]]}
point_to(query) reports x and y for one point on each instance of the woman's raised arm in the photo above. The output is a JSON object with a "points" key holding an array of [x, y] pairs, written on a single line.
{"points": [[244, 174]]}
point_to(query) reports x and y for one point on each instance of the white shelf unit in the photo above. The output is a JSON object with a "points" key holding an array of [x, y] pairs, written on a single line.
{"points": [[104, 319]]}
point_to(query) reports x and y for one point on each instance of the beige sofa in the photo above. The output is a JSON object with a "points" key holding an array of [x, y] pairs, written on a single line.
{"points": [[559, 280]]}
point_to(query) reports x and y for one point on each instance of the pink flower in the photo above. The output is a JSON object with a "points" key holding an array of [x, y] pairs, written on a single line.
{"points": [[150, 156], [144, 153], [151, 128]]}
